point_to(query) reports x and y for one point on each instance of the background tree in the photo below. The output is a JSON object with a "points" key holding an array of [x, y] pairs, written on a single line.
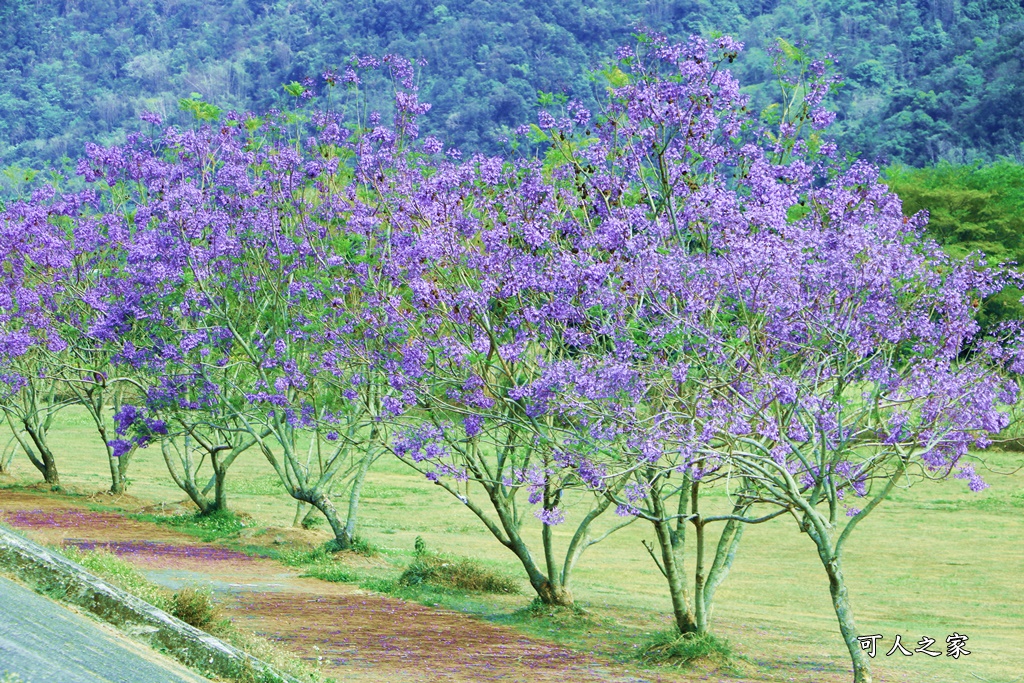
{"points": [[971, 209], [925, 81]]}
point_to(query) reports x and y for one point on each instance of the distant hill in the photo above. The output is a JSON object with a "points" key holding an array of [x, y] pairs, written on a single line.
{"points": [[926, 79]]}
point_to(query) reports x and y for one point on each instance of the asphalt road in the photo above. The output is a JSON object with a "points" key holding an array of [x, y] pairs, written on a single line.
{"points": [[44, 642]]}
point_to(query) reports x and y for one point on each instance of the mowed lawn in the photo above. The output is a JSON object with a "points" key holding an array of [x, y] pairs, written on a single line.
{"points": [[934, 560]]}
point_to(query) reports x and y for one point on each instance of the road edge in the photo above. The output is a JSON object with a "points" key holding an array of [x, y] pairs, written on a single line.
{"points": [[52, 573]]}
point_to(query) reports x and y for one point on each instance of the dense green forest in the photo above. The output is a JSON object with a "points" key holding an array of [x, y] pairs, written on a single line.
{"points": [[972, 208], [925, 80]]}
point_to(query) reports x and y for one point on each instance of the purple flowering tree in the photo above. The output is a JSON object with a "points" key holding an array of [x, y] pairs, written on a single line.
{"points": [[36, 256], [846, 363], [471, 241], [85, 363], [536, 282], [253, 307], [424, 213], [760, 319]]}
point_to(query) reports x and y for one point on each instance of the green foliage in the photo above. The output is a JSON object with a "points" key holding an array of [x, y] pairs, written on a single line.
{"points": [[204, 112], [925, 81], [295, 89], [971, 208], [681, 649]]}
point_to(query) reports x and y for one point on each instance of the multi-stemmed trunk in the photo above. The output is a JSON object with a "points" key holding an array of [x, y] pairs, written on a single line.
{"points": [[692, 611], [184, 469], [552, 582], [30, 416], [311, 481]]}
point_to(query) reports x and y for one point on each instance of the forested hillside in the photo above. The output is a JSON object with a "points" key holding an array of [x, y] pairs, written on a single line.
{"points": [[925, 79]]}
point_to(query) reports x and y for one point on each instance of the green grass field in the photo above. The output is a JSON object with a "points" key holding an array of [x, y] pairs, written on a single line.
{"points": [[933, 560]]}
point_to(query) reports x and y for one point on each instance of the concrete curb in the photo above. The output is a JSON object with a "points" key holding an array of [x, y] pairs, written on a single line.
{"points": [[160, 630]]}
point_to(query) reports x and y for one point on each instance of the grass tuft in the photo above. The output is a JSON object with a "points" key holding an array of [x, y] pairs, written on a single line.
{"points": [[381, 585], [330, 571], [195, 607], [301, 558], [537, 609], [681, 649], [319, 564], [210, 527], [359, 546], [459, 573]]}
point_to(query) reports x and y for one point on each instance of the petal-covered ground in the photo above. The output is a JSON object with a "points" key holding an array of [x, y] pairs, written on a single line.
{"points": [[352, 635]]}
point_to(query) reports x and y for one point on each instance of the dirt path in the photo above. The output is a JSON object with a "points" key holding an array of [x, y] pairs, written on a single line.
{"points": [[353, 635]]}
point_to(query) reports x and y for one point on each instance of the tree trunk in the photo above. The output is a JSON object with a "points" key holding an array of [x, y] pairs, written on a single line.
{"points": [[324, 505], [118, 466], [549, 589], [700, 612], [356, 492], [8, 455], [301, 514], [672, 561], [844, 612], [116, 471], [672, 565], [45, 462], [186, 483], [724, 556], [116, 481], [50, 475], [220, 492], [553, 595]]}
